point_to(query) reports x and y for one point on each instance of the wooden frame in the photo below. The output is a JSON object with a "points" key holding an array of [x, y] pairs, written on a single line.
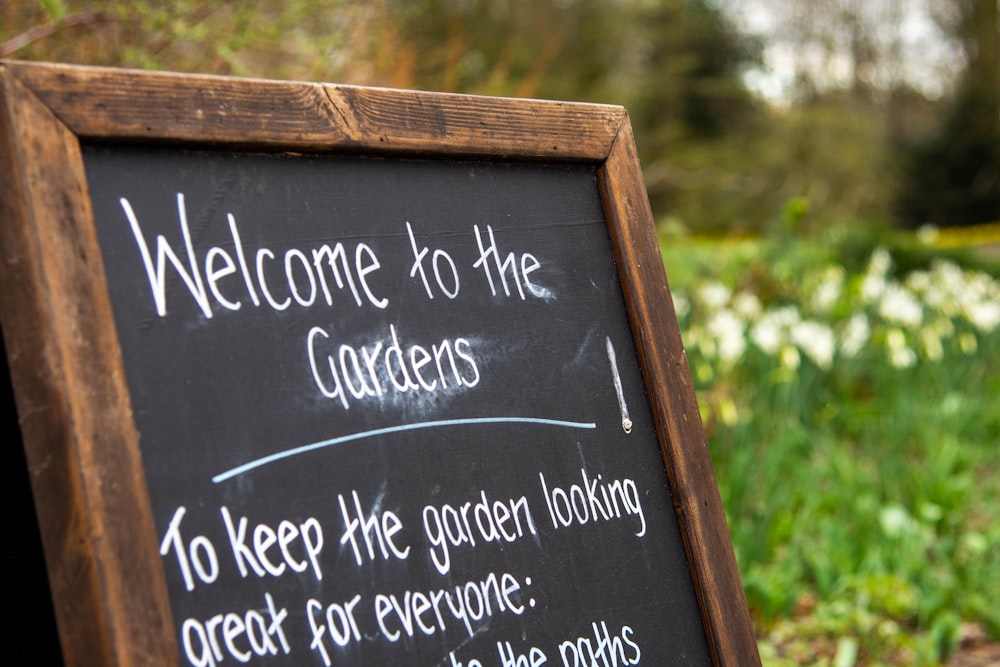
{"points": [[108, 585]]}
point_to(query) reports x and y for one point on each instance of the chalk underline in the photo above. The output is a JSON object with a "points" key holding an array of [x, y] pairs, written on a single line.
{"points": [[295, 451]]}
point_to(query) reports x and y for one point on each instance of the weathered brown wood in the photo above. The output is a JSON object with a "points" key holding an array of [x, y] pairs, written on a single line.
{"points": [[675, 408], [80, 441], [97, 527], [112, 104]]}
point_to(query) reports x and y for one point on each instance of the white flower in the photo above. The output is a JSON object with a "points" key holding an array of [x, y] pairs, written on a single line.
{"points": [[948, 276], [727, 330], [855, 335], [919, 281], [874, 281], [902, 357], [714, 295], [816, 340], [871, 288], [896, 521], [942, 288], [787, 316], [900, 354], [945, 303], [767, 334], [984, 315], [681, 305], [826, 294], [771, 331], [880, 261], [899, 306], [981, 287], [746, 305]]}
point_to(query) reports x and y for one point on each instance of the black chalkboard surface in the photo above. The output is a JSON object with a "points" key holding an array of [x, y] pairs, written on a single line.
{"points": [[457, 404], [349, 376]]}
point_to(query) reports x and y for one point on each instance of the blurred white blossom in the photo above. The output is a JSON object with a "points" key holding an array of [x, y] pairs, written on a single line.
{"points": [[747, 305], [855, 335], [873, 282], [816, 340], [898, 305], [681, 305], [984, 315], [767, 334], [828, 291], [714, 295], [727, 329], [914, 317], [900, 354]]}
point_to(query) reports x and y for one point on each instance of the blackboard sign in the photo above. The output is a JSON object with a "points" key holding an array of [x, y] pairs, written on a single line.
{"points": [[348, 376]]}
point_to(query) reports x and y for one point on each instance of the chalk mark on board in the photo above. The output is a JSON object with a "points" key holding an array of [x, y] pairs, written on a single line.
{"points": [[295, 451], [626, 421]]}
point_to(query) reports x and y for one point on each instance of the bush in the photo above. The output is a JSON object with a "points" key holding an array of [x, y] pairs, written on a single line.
{"points": [[851, 407]]}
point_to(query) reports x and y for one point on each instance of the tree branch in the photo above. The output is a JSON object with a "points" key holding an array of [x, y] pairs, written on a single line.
{"points": [[46, 30]]}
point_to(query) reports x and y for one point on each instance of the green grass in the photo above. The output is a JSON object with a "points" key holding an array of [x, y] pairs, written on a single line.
{"points": [[851, 397]]}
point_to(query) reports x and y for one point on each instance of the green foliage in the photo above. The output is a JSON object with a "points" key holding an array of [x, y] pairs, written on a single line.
{"points": [[265, 38], [850, 404], [828, 153], [54, 9], [714, 157], [675, 64], [851, 414]]}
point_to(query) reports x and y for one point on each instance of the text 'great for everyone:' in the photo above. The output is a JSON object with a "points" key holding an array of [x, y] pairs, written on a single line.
{"points": [[297, 548]]}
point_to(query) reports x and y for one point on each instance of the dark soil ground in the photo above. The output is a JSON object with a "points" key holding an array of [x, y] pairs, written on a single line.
{"points": [[976, 650]]}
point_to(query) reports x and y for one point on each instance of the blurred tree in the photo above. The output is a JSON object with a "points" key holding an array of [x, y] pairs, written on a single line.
{"points": [[264, 38], [868, 46], [830, 152], [523, 48], [953, 178], [688, 104], [888, 110], [715, 157], [822, 139], [676, 64]]}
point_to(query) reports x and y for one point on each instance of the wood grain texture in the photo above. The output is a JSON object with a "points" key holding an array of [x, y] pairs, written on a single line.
{"points": [[80, 441], [114, 104], [97, 528], [675, 408]]}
